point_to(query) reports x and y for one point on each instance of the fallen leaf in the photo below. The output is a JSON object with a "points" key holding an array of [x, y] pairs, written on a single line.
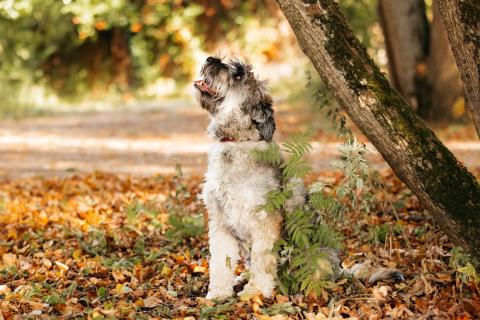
{"points": [[151, 302], [9, 259]]}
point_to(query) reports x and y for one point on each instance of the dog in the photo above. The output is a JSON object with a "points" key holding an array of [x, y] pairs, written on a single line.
{"points": [[236, 184], [242, 120]]}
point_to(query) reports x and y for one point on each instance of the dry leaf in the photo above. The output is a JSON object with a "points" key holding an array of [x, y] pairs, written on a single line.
{"points": [[151, 302]]}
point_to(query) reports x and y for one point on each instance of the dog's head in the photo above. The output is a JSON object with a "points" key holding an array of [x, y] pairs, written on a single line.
{"points": [[230, 92]]}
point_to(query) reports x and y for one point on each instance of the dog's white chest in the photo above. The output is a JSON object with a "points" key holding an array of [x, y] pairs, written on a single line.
{"points": [[238, 185]]}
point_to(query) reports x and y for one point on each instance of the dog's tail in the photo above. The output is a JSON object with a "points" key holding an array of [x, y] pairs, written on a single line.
{"points": [[365, 271], [370, 274]]}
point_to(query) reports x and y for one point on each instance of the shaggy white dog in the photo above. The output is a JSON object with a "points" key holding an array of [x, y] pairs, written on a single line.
{"points": [[236, 184]]}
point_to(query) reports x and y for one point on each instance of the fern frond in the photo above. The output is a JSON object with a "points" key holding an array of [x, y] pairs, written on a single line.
{"points": [[271, 155], [276, 200], [295, 168], [325, 236], [298, 145]]}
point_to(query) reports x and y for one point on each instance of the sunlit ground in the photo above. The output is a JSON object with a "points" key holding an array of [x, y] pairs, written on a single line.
{"points": [[152, 141]]}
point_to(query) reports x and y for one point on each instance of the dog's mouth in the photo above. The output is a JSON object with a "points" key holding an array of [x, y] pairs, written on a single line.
{"points": [[203, 86]]}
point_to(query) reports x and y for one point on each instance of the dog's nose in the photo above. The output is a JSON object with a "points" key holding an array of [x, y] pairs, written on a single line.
{"points": [[213, 60]]}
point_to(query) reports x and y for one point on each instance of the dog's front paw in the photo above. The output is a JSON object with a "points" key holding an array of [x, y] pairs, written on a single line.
{"points": [[248, 292], [218, 295]]}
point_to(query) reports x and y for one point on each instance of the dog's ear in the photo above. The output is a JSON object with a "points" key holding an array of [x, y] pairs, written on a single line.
{"points": [[262, 117]]}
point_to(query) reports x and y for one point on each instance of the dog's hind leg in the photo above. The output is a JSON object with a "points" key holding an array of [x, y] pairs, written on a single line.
{"points": [[263, 266], [224, 253]]}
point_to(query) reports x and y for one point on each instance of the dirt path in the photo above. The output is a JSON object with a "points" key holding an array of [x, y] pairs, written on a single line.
{"points": [[136, 142]]}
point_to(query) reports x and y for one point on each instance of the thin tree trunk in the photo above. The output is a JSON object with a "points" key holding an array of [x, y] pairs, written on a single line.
{"points": [[405, 29], [442, 184], [122, 62], [443, 74], [421, 63], [462, 22]]}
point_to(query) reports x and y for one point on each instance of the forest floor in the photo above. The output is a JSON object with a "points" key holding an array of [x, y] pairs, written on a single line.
{"points": [[96, 222]]}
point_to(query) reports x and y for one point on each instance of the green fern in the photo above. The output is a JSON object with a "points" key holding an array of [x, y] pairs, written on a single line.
{"points": [[326, 237], [276, 200], [295, 168], [298, 145], [304, 265], [270, 156]]}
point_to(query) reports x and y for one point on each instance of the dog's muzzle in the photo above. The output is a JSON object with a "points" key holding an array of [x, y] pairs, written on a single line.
{"points": [[203, 86]]}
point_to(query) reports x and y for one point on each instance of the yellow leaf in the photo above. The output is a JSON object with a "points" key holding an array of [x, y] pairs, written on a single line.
{"points": [[246, 295], [166, 271], [76, 254], [119, 288], [199, 269], [381, 292], [139, 303], [12, 233], [468, 270], [122, 289], [42, 219]]}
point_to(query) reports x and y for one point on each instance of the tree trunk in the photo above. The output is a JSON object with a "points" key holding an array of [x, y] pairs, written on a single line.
{"points": [[121, 59], [462, 22], [443, 75], [421, 63], [405, 29], [442, 184]]}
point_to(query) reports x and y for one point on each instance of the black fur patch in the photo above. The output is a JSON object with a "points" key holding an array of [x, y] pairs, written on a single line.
{"points": [[262, 117]]}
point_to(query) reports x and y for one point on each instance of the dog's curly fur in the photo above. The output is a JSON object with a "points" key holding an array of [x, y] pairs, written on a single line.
{"points": [[236, 185]]}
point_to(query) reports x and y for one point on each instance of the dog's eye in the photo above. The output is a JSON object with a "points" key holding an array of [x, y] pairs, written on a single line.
{"points": [[239, 73]]}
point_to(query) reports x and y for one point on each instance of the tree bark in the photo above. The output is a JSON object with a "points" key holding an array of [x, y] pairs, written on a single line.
{"points": [[442, 184], [405, 28], [443, 75], [462, 22]]}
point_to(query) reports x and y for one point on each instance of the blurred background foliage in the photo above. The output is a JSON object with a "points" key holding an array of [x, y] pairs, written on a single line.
{"points": [[72, 50]]}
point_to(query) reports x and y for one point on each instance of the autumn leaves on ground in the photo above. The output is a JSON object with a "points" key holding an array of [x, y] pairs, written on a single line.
{"points": [[108, 245]]}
